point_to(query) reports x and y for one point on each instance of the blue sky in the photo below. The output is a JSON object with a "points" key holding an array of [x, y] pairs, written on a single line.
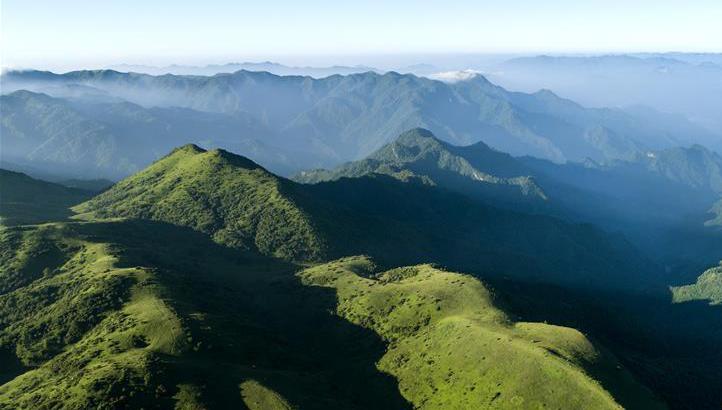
{"points": [[44, 33]]}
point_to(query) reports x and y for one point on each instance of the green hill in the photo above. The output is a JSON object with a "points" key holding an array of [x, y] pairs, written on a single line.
{"points": [[137, 314], [418, 153], [24, 200], [224, 195], [447, 340], [242, 205], [708, 287], [141, 314]]}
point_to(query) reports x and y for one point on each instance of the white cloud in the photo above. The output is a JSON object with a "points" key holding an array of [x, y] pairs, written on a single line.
{"points": [[454, 76]]}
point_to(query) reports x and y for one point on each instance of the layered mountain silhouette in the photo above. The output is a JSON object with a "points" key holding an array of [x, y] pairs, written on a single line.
{"points": [[476, 170], [339, 118], [687, 84]]}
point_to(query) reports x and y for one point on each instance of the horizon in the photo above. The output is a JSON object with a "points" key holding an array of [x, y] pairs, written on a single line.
{"points": [[78, 34], [386, 63]]}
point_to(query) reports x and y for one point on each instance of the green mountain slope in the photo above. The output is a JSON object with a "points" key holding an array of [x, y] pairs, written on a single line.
{"points": [[708, 287], [136, 314], [446, 340], [419, 153], [342, 118], [24, 200], [87, 138], [242, 205], [132, 314], [224, 195]]}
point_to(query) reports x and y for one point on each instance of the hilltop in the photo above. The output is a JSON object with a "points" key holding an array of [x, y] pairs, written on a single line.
{"points": [[446, 340], [475, 170], [227, 196]]}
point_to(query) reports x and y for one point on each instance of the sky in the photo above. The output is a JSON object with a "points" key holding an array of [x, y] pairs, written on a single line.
{"points": [[81, 33]]}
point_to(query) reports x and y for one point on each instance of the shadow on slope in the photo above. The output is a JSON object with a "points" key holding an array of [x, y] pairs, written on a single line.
{"points": [[671, 348], [248, 318]]}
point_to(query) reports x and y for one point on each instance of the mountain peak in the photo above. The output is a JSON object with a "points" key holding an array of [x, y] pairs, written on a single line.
{"points": [[234, 159], [414, 135], [189, 148], [216, 192]]}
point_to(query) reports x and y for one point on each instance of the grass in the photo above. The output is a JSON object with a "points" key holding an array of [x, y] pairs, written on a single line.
{"points": [[708, 287], [450, 347], [142, 314], [189, 303], [223, 195]]}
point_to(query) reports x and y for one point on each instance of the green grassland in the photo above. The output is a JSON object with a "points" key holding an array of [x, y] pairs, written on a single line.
{"points": [[224, 195], [140, 314], [180, 288], [450, 347], [708, 287]]}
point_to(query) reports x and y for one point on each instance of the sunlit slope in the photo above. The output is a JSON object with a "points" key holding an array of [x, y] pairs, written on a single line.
{"points": [[450, 347], [137, 314], [708, 287], [221, 194], [142, 314], [241, 205], [83, 328]]}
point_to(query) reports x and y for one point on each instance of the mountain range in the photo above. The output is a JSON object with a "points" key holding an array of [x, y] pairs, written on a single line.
{"points": [[240, 204], [173, 290], [308, 122], [653, 195], [204, 280], [268, 66], [369, 240], [685, 84]]}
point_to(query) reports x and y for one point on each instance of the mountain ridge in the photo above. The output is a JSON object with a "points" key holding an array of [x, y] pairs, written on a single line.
{"points": [[344, 118]]}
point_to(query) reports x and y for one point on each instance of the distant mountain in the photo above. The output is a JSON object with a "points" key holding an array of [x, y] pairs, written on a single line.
{"points": [[77, 139], [476, 170], [24, 200], [667, 202], [674, 83], [654, 198], [691, 58], [343, 118], [681, 180], [268, 66], [695, 166]]}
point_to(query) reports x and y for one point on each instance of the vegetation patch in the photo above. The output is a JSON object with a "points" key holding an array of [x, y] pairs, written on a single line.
{"points": [[450, 347]]}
